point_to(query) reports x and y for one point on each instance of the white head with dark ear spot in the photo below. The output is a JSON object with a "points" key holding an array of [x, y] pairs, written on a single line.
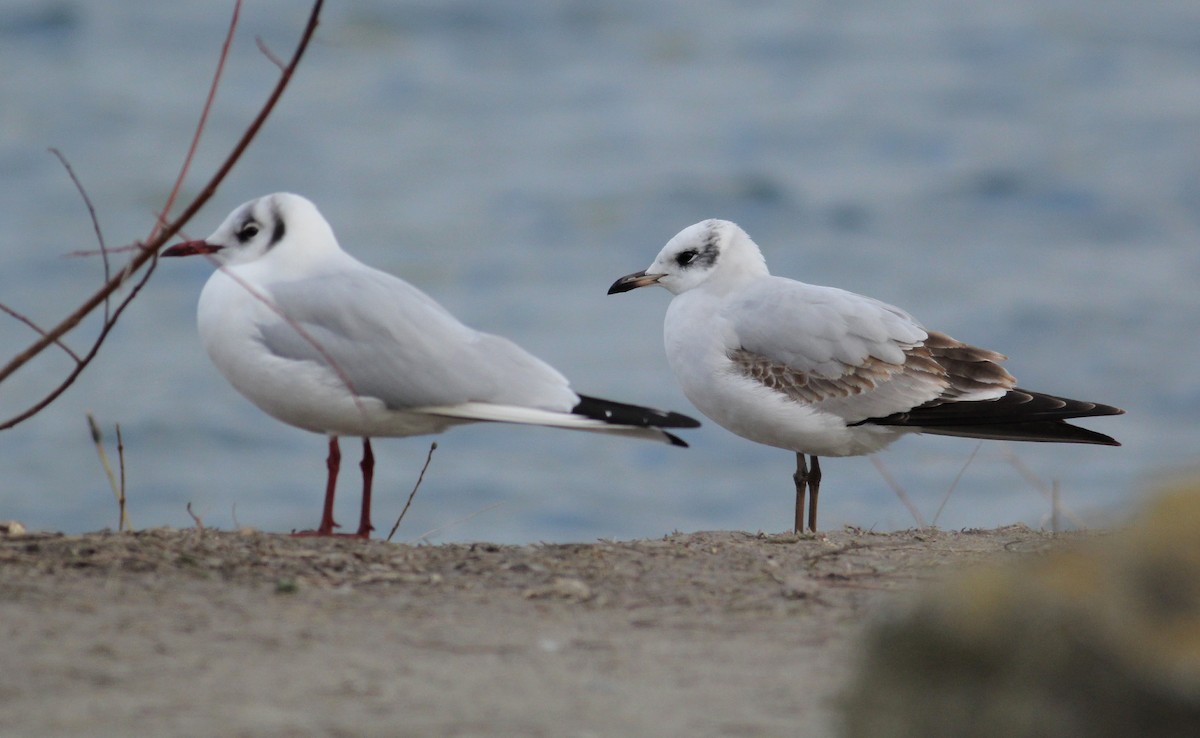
{"points": [[716, 253], [284, 226]]}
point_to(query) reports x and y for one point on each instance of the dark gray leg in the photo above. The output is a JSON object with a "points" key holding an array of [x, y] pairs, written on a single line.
{"points": [[814, 487], [801, 480], [806, 480]]}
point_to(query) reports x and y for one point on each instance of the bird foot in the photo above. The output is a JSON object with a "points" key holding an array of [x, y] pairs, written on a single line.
{"points": [[326, 531], [320, 534]]}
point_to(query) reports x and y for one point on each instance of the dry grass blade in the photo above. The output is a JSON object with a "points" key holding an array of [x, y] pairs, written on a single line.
{"points": [[424, 537], [954, 484], [1048, 491], [900, 493], [118, 491]]}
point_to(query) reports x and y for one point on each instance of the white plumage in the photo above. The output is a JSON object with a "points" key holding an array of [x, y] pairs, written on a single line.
{"points": [[323, 342], [826, 372]]}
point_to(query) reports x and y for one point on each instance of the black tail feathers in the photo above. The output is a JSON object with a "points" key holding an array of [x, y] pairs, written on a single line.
{"points": [[620, 413]]}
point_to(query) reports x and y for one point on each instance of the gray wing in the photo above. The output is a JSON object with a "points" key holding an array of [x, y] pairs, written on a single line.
{"points": [[390, 341], [853, 356]]}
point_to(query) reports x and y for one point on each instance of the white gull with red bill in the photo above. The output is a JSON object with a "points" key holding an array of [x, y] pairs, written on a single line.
{"points": [[321, 341], [825, 372]]}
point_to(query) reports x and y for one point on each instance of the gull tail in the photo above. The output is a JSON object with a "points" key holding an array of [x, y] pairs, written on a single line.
{"points": [[591, 414], [1019, 415], [615, 414]]}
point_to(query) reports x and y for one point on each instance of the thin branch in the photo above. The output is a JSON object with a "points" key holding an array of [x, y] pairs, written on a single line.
{"points": [[83, 363], [211, 188], [149, 250], [121, 464], [262, 46], [18, 316], [99, 252], [411, 495], [208, 101], [87, 201], [195, 518]]}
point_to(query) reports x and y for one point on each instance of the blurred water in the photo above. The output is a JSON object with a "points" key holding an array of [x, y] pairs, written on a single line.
{"points": [[1025, 176]]}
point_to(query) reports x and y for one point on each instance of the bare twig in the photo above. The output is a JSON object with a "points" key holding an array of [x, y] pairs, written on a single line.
{"points": [[208, 101], [18, 316], [411, 495], [195, 518], [121, 465], [98, 252], [891, 482], [81, 364], [262, 46], [87, 201], [149, 251]]}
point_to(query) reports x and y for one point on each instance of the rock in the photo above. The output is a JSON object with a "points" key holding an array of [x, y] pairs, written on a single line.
{"points": [[1101, 639], [567, 588]]}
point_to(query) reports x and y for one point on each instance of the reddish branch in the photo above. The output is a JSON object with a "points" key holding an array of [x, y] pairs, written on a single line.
{"points": [[212, 94], [87, 201], [147, 252]]}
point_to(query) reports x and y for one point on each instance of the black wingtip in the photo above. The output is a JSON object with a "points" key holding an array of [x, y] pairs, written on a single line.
{"points": [[620, 413], [1020, 415], [1044, 431], [1059, 431], [675, 440]]}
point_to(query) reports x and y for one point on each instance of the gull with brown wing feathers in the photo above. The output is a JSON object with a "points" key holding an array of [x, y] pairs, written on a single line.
{"points": [[825, 372]]}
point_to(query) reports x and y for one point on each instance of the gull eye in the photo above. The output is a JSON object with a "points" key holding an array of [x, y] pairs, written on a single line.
{"points": [[685, 257], [247, 232]]}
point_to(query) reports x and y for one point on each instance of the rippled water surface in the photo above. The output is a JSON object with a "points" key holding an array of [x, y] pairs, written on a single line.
{"points": [[1025, 176]]}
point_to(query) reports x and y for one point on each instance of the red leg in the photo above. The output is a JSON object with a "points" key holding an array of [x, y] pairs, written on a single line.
{"points": [[368, 473], [332, 463]]}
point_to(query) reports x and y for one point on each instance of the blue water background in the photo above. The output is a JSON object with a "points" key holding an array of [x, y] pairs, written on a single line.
{"points": [[1024, 176]]}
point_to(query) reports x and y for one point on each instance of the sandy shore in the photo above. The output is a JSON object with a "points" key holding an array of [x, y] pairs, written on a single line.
{"points": [[189, 632]]}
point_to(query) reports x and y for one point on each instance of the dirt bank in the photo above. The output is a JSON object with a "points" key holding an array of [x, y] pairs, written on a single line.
{"points": [[189, 632]]}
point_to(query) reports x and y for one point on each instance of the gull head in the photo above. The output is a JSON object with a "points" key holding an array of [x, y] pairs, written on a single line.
{"points": [[715, 253], [282, 223]]}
